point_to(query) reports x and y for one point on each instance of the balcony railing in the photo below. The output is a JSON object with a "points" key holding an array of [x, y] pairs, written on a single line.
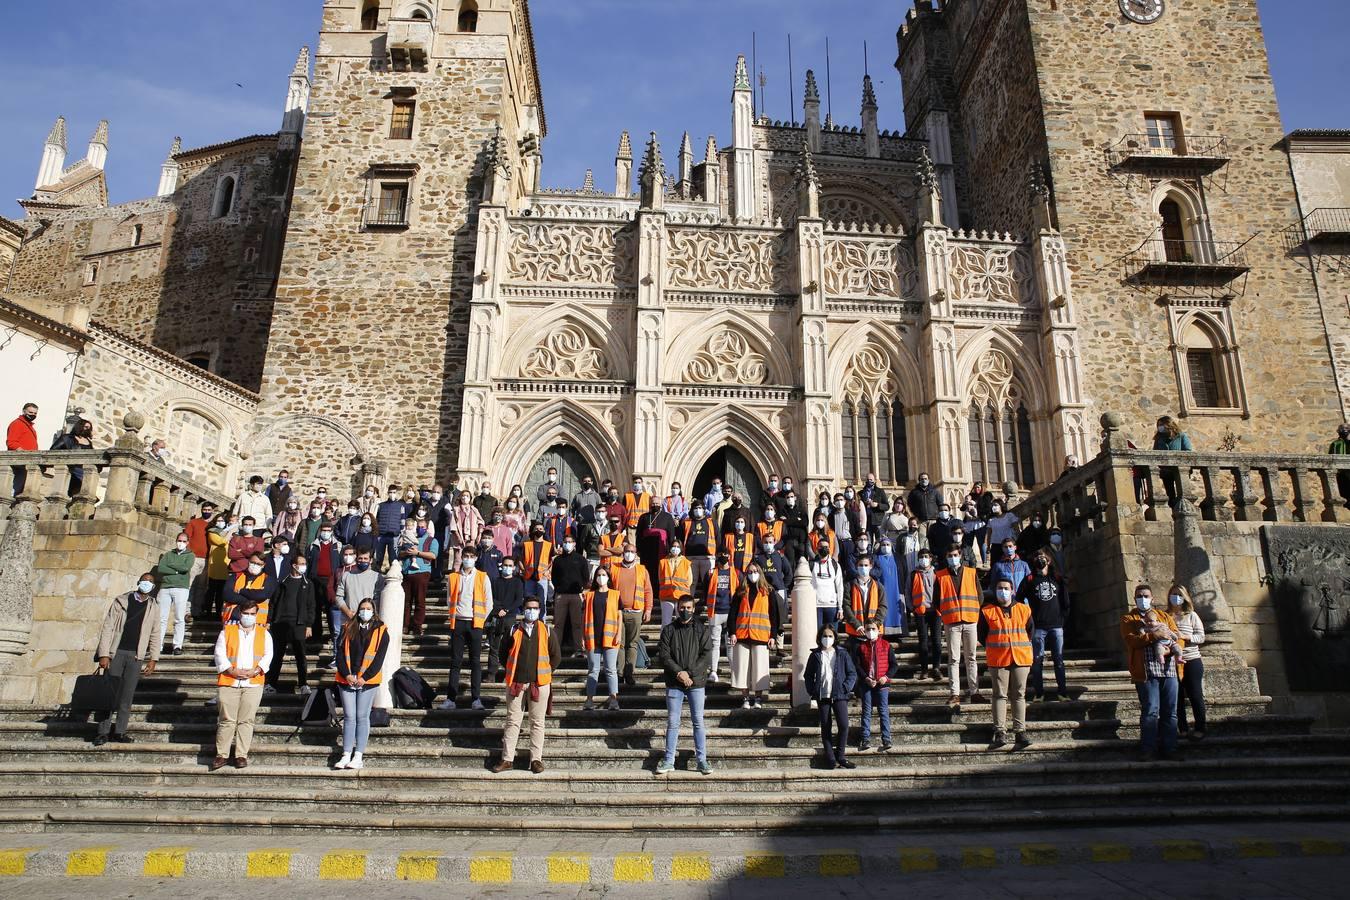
{"points": [[385, 217], [409, 43], [1198, 154], [1187, 263]]}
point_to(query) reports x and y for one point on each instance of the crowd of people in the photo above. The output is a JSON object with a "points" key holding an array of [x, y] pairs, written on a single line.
{"points": [[541, 577]]}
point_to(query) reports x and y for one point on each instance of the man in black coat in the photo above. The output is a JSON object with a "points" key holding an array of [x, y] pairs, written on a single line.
{"points": [[685, 656], [291, 623], [508, 593]]}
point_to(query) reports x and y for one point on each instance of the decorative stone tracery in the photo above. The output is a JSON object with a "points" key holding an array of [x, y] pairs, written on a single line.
{"points": [[727, 358], [567, 353]]}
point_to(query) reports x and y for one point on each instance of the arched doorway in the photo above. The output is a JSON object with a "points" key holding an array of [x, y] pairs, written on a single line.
{"points": [[736, 472], [571, 466]]}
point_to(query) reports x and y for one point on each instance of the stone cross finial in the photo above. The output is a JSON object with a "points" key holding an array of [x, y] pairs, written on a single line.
{"points": [[812, 92], [806, 167], [625, 147], [808, 184], [652, 176]]}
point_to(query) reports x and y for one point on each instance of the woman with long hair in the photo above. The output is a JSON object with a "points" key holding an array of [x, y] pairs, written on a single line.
{"points": [[752, 626], [1169, 436], [1192, 631], [360, 661], [602, 624]]}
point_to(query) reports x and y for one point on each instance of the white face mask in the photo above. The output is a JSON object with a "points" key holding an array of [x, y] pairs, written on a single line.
{"points": [[467, 563], [365, 615], [246, 530], [872, 634], [569, 546], [865, 572], [300, 570], [315, 513], [181, 545], [1004, 596], [145, 587], [629, 557], [768, 546], [740, 526], [675, 551], [349, 560], [248, 620], [531, 615], [924, 562], [602, 583], [508, 571], [753, 577], [827, 642], [1175, 599], [254, 569]]}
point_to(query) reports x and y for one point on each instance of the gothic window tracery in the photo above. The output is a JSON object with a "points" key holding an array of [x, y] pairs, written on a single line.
{"points": [[999, 424], [872, 421]]}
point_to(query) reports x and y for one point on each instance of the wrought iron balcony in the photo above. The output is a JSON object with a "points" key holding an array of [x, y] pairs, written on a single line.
{"points": [[1197, 154], [1327, 224], [409, 43], [1187, 263], [385, 217]]}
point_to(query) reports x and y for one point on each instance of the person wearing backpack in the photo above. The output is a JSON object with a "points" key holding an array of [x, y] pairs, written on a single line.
{"points": [[360, 661]]}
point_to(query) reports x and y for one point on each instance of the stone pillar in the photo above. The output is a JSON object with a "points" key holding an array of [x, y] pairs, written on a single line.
{"points": [[649, 404], [124, 472], [944, 453], [742, 154], [803, 629], [391, 614], [816, 411], [16, 581]]}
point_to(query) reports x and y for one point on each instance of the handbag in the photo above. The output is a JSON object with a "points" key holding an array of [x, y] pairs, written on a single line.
{"points": [[97, 692]]}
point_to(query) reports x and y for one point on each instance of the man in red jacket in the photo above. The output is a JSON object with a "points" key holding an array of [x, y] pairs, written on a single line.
{"points": [[22, 435]]}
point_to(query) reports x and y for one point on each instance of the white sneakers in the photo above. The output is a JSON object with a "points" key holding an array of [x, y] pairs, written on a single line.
{"points": [[344, 762], [356, 762], [448, 704]]}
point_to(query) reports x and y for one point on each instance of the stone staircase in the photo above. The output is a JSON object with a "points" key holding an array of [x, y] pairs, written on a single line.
{"points": [[427, 772]]}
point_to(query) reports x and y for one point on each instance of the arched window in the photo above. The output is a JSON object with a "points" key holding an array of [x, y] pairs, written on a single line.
{"points": [[1001, 446], [1173, 232], [468, 16], [1182, 225], [872, 421], [223, 204], [1208, 368], [420, 13], [370, 16]]}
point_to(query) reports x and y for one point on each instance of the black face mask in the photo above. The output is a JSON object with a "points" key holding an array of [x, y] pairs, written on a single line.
{"points": [[686, 616]]}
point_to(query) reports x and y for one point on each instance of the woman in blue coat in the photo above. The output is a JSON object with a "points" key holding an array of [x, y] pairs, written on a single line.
{"points": [[830, 677], [886, 570]]}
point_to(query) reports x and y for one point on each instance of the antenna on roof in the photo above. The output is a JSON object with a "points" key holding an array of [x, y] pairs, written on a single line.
{"points": [[792, 95], [829, 97], [754, 67]]}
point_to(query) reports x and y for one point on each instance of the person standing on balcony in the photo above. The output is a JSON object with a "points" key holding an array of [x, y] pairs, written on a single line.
{"points": [[22, 436], [79, 437], [1192, 684], [1341, 447], [1170, 437], [131, 632], [1154, 671], [685, 656]]}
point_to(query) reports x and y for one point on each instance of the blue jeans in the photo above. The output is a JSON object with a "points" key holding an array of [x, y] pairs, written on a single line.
{"points": [[385, 544], [356, 704], [879, 696], [675, 698], [339, 620], [1036, 683], [826, 616], [1158, 699], [607, 657]]}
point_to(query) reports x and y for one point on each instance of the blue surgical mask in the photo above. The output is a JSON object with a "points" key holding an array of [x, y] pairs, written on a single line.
{"points": [[365, 615], [1143, 603], [145, 587], [531, 615]]}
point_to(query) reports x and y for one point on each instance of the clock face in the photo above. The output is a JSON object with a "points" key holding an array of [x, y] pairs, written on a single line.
{"points": [[1143, 11]]}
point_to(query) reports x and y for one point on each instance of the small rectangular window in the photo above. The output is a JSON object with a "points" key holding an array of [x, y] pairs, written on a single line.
{"points": [[401, 122], [1164, 132], [137, 234], [391, 204], [1204, 376]]}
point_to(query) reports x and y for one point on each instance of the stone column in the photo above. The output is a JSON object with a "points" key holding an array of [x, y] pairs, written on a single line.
{"points": [[16, 578], [649, 402], [391, 614], [803, 629], [816, 445], [943, 456]]}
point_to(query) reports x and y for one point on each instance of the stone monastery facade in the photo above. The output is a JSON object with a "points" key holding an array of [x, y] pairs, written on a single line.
{"points": [[392, 296]]}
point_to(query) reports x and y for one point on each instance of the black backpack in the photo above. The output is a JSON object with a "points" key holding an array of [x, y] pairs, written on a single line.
{"points": [[321, 708], [411, 691]]}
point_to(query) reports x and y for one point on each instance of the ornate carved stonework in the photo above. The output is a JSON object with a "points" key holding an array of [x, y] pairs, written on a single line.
{"points": [[862, 267], [566, 353], [556, 253], [993, 384], [869, 376], [726, 359], [1309, 567], [720, 260], [999, 273]]}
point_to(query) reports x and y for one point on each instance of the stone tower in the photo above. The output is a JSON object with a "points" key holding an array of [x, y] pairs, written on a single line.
{"points": [[372, 303], [1165, 175]]}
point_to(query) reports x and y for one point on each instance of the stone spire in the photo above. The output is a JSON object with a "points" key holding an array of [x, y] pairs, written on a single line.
{"points": [[686, 167], [742, 75], [742, 144], [871, 139], [930, 195], [653, 176], [168, 173], [712, 172], [808, 185], [53, 155], [98, 146], [623, 167], [297, 102], [588, 183], [811, 106]]}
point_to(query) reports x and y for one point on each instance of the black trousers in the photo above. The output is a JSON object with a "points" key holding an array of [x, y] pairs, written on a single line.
{"points": [[126, 666], [495, 633], [1193, 692], [930, 638], [833, 727], [287, 635], [213, 604], [465, 638]]}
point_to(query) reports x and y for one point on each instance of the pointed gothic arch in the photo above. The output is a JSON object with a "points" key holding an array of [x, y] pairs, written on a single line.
{"points": [[879, 398], [580, 322], [691, 347], [557, 422], [725, 426]]}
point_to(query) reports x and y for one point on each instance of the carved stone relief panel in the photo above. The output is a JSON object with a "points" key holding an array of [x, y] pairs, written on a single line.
{"points": [[572, 253], [567, 352], [1309, 566], [999, 273], [727, 358], [870, 268], [705, 259]]}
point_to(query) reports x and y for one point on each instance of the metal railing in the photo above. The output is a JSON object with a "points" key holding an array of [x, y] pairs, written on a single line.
{"points": [[1198, 148], [385, 217], [1327, 222]]}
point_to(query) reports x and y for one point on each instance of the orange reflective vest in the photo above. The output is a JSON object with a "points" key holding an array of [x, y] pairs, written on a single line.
{"points": [[1007, 643], [232, 654], [710, 592], [243, 581], [918, 593], [677, 578], [863, 609], [613, 542], [815, 537], [610, 639], [545, 672], [531, 567], [480, 598], [741, 549], [636, 504], [752, 620], [372, 648], [766, 530], [958, 606]]}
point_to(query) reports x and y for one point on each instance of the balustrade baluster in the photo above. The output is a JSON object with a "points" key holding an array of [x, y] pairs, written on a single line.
{"points": [[1302, 500], [85, 501], [56, 498], [1333, 504], [1274, 499]]}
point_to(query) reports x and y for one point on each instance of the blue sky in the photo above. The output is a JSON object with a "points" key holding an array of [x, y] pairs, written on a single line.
{"points": [[212, 70]]}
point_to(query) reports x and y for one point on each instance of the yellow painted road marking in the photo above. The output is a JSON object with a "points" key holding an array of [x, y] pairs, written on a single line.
{"points": [[1317, 847], [1110, 853], [343, 865], [89, 862], [1039, 854], [916, 859], [566, 868], [979, 858], [840, 864], [269, 864], [630, 867], [417, 866], [1256, 849], [1183, 851], [166, 862], [690, 867], [491, 868], [765, 865], [15, 862]]}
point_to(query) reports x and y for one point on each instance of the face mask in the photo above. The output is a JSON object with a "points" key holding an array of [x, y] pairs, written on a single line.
{"points": [[365, 615], [770, 515], [1004, 596], [1175, 599], [686, 616], [586, 486], [410, 496], [773, 485], [839, 504], [392, 496], [820, 523], [1143, 603], [246, 530], [292, 506], [552, 477], [511, 505], [361, 567], [508, 571], [885, 549], [468, 563], [248, 620], [349, 560], [865, 572], [531, 615], [629, 557], [145, 587], [924, 562], [675, 492], [315, 513], [791, 502], [436, 496], [848, 495], [569, 547], [602, 583], [219, 523], [283, 549], [827, 642], [954, 562], [740, 526], [958, 537], [1009, 551], [1036, 523], [32, 417], [365, 526], [717, 488], [181, 545], [325, 536], [768, 546], [370, 493], [1162, 429], [1056, 539], [923, 482], [698, 514], [675, 551], [872, 634], [537, 535], [254, 569], [753, 577], [299, 570], [944, 515]]}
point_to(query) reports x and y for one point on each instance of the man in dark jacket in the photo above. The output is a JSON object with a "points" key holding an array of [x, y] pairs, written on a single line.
{"points": [[571, 577], [485, 503], [1048, 598], [685, 655], [875, 503], [389, 520], [291, 624], [279, 491], [588, 510], [924, 502], [508, 593], [793, 514]]}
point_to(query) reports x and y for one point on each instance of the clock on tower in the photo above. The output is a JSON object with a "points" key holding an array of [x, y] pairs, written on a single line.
{"points": [[1144, 12]]}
